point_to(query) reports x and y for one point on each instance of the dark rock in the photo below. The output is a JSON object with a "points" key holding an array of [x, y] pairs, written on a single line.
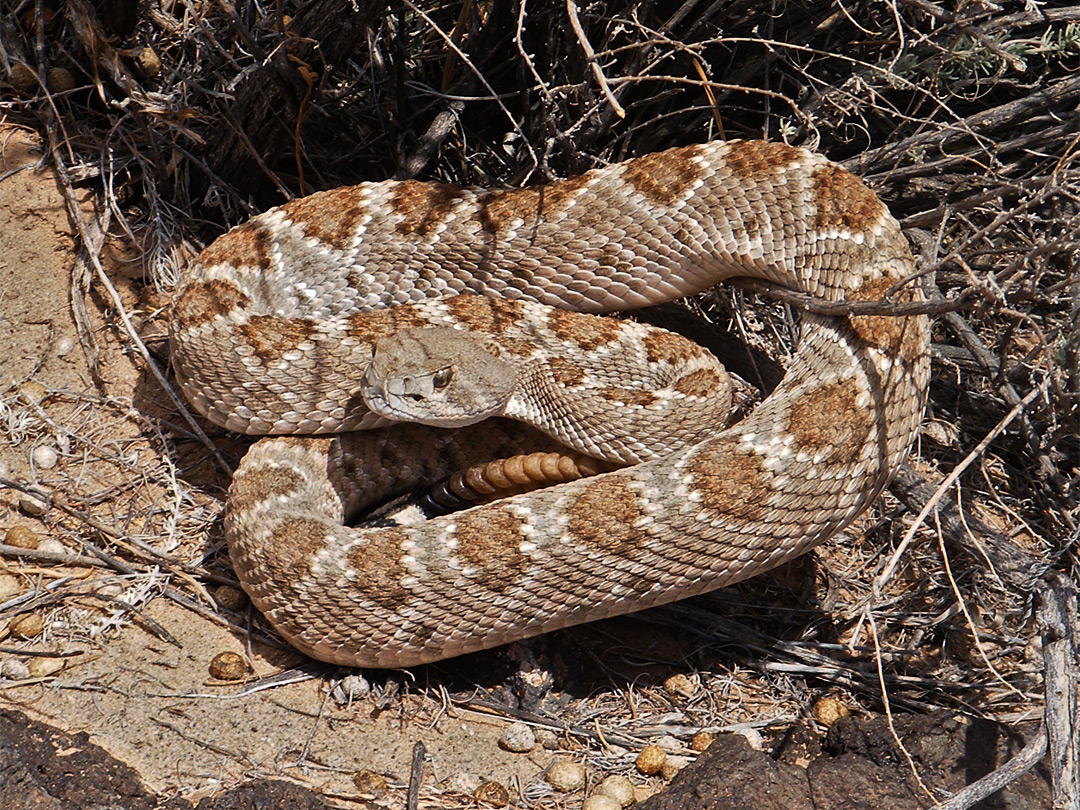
{"points": [[42, 767], [860, 765]]}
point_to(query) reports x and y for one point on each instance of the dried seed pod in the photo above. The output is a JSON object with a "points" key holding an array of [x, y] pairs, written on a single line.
{"points": [[371, 784], [59, 80], [492, 794], [828, 710], [651, 760], [702, 740], [22, 77], [228, 666], [27, 626]]}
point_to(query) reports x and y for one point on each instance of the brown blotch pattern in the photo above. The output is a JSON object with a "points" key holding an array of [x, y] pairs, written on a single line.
{"points": [[380, 570], [627, 396], [203, 301], [665, 176], [491, 544], [480, 313], [731, 481], [902, 336], [667, 347], [602, 517], [422, 206], [261, 483], [750, 160], [830, 418], [271, 336], [295, 542], [329, 216], [588, 332], [499, 207], [565, 372], [842, 201], [368, 327], [247, 245], [699, 383]]}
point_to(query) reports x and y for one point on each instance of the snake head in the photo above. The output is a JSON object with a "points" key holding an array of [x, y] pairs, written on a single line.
{"points": [[437, 376]]}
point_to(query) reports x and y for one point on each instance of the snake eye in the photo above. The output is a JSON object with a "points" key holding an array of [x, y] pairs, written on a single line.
{"points": [[443, 377]]}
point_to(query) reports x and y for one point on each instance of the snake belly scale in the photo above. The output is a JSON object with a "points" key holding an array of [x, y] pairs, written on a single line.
{"points": [[274, 322]]}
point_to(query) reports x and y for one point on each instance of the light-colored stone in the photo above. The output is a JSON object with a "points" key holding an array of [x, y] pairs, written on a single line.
{"points": [[32, 506], [518, 738], [547, 738], [565, 775], [350, 688], [44, 667], [50, 545], [9, 587], [45, 457], [619, 788], [14, 670], [601, 801], [463, 782], [673, 766], [64, 346]]}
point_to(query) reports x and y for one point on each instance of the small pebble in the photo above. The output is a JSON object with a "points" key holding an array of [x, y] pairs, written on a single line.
{"points": [[492, 794], [673, 766], [44, 667], [14, 670], [27, 626], [680, 685], [350, 688], [45, 457], [828, 710], [9, 587], [464, 783], [669, 743], [642, 792], [702, 740], [547, 738], [651, 759], [371, 783], [230, 598], [109, 588], [618, 788], [31, 505], [21, 537], [228, 666], [32, 392], [64, 346], [518, 738], [601, 801], [52, 546], [565, 775]]}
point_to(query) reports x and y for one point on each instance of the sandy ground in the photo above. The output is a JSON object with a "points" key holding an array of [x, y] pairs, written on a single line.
{"points": [[137, 679]]}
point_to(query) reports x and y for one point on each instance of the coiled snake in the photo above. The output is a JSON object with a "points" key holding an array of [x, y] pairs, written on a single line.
{"points": [[276, 322]]}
